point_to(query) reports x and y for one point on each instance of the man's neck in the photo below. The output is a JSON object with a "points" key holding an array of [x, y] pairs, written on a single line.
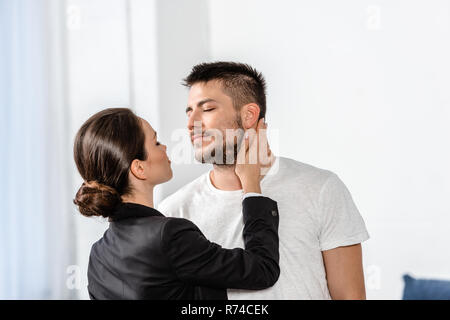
{"points": [[223, 177]]}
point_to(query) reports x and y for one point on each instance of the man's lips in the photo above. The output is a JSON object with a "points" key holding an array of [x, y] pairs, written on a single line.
{"points": [[197, 136]]}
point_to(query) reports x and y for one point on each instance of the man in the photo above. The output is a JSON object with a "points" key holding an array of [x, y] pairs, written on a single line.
{"points": [[320, 227]]}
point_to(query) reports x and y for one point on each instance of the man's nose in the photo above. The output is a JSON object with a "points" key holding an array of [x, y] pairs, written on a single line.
{"points": [[194, 118]]}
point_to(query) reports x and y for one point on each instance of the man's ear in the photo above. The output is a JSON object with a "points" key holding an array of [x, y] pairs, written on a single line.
{"points": [[137, 169], [250, 115]]}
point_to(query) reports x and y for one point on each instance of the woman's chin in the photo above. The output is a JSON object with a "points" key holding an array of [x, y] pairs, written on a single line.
{"points": [[170, 175]]}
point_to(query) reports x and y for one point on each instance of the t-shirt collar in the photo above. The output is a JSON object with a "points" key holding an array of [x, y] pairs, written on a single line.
{"points": [[234, 193]]}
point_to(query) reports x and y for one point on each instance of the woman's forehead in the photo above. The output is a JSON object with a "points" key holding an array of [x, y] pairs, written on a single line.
{"points": [[147, 127]]}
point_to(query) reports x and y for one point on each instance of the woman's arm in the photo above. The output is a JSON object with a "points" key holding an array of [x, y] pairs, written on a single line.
{"points": [[197, 261]]}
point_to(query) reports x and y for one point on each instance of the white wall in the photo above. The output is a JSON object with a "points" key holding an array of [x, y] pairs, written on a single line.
{"points": [[360, 88]]}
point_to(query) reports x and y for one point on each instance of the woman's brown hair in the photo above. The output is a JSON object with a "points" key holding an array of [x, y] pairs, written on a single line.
{"points": [[104, 149]]}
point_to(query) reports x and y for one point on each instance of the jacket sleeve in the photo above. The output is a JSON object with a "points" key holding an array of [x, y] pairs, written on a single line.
{"points": [[197, 261]]}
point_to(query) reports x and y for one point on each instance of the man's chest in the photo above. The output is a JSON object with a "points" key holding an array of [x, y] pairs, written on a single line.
{"points": [[223, 223]]}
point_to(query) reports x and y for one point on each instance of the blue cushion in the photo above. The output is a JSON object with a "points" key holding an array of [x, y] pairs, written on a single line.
{"points": [[424, 289]]}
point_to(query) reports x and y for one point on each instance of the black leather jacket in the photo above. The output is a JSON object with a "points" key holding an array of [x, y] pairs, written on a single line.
{"points": [[145, 255]]}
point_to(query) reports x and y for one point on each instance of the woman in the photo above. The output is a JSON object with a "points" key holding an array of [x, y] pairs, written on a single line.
{"points": [[145, 255]]}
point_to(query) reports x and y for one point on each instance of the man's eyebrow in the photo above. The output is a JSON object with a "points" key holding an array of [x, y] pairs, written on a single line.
{"points": [[200, 103], [155, 134]]}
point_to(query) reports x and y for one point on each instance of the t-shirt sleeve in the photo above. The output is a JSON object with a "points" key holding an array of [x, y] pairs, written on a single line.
{"points": [[341, 223]]}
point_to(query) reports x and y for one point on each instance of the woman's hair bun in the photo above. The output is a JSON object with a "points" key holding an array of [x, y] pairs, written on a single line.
{"points": [[96, 199]]}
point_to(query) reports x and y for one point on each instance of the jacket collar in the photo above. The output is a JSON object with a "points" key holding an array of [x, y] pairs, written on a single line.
{"points": [[128, 210]]}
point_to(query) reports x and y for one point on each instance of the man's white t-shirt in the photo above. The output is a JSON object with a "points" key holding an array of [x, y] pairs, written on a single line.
{"points": [[316, 211]]}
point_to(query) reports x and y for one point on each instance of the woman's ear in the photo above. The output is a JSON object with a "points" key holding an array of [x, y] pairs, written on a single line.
{"points": [[250, 115], [137, 169]]}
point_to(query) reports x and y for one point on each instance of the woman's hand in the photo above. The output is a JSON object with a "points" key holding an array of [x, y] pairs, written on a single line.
{"points": [[248, 165]]}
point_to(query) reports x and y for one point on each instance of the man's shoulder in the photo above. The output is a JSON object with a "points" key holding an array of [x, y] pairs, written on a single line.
{"points": [[291, 169], [182, 195]]}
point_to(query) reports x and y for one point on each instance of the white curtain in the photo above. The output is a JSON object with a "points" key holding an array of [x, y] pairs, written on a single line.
{"points": [[36, 228]]}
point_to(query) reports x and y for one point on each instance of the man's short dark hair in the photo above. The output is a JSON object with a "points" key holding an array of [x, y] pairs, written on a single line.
{"points": [[240, 81]]}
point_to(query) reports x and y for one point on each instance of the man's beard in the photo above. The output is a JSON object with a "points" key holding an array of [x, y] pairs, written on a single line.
{"points": [[225, 155]]}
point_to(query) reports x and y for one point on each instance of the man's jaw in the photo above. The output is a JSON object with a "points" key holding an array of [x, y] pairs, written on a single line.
{"points": [[217, 155]]}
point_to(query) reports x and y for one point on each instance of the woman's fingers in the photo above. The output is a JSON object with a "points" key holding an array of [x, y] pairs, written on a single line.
{"points": [[253, 148], [261, 124], [263, 145], [252, 142], [241, 156]]}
